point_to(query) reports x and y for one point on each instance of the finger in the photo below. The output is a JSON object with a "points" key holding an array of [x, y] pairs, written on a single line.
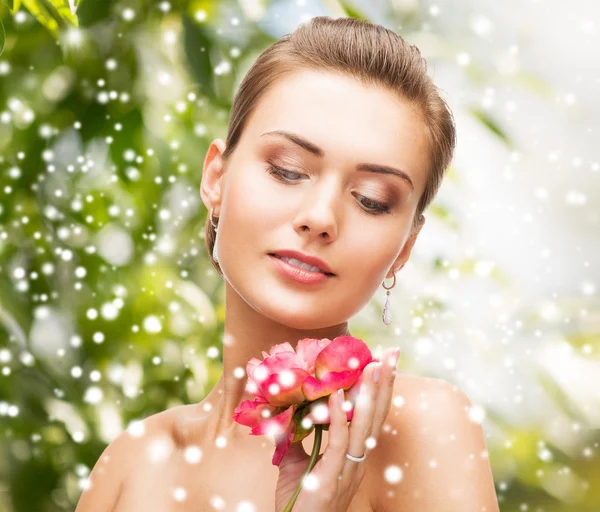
{"points": [[362, 419], [332, 463], [385, 393]]}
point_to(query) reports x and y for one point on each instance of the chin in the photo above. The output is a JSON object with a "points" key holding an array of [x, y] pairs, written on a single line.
{"points": [[300, 317]]}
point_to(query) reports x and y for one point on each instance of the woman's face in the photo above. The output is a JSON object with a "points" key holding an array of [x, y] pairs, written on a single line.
{"points": [[357, 221]]}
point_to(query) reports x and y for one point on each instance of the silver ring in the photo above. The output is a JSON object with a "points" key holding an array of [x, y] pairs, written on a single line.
{"points": [[356, 459]]}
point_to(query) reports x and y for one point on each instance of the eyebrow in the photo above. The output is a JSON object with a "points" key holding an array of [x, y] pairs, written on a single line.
{"points": [[317, 151]]}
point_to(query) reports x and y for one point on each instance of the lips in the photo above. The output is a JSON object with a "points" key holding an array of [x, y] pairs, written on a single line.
{"points": [[298, 274], [304, 258]]}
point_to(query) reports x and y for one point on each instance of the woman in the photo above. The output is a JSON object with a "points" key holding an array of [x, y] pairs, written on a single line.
{"points": [[337, 143]]}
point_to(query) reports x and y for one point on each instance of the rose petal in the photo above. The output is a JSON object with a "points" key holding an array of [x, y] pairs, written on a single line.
{"points": [[252, 413], [282, 355], [251, 366], [276, 425], [285, 387], [308, 349], [342, 354], [281, 347], [314, 389], [283, 443], [281, 361]]}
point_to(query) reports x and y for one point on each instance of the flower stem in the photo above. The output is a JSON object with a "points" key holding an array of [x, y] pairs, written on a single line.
{"points": [[313, 460]]}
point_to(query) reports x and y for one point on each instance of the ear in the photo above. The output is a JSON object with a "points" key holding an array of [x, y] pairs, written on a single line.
{"points": [[405, 252], [212, 174]]}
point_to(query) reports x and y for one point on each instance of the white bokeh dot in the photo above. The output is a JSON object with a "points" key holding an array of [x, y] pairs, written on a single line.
{"points": [[193, 454], [179, 494], [392, 474]]}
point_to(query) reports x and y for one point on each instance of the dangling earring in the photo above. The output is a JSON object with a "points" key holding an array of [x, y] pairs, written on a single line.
{"points": [[214, 253], [387, 312]]}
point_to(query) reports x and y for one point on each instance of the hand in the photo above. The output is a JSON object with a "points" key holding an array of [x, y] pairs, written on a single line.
{"points": [[334, 479]]}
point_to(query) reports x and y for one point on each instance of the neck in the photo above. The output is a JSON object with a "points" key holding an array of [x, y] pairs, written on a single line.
{"points": [[247, 334]]}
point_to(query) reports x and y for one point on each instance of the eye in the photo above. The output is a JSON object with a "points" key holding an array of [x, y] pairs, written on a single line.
{"points": [[372, 207], [278, 171]]}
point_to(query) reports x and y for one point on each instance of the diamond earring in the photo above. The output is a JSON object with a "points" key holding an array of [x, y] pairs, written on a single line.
{"points": [[214, 253], [387, 312]]}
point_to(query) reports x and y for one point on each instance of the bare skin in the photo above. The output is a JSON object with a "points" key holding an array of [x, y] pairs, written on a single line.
{"points": [[426, 424], [244, 460], [322, 210], [160, 465]]}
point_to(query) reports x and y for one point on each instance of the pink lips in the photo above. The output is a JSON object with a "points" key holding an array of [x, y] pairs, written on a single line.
{"points": [[306, 258], [298, 274]]}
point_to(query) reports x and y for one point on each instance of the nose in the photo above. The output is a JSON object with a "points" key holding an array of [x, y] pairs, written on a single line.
{"points": [[317, 215]]}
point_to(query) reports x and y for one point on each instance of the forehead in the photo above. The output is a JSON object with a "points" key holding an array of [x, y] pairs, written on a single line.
{"points": [[344, 117]]}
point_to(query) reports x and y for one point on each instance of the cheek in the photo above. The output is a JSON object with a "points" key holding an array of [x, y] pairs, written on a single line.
{"points": [[249, 202], [245, 191], [369, 259], [259, 205], [364, 258], [252, 193], [371, 250]]}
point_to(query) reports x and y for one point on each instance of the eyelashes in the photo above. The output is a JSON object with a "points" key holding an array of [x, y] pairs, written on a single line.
{"points": [[371, 206]]}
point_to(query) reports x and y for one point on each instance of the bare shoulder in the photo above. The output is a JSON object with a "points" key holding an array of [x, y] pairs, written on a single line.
{"points": [[432, 453], [120, 460]]}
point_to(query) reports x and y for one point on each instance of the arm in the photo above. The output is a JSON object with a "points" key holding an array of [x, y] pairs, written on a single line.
{"points": [[440, 451], [107, 477]]}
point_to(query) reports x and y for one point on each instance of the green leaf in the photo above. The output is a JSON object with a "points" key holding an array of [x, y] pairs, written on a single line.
{"points": [[492, 125], [2, 37], [40, 11], [55, 15], [63, 9], [300, 413], [535, 84], [198, 46], [9, 4], [14, 318], [444, 214], [554, 390], [91, 12], [351, 11]]}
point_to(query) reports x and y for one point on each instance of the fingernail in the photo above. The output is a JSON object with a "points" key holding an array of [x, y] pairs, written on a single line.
{"points": [[340, 397], [377, 372], [396, 355], [392, 357]]}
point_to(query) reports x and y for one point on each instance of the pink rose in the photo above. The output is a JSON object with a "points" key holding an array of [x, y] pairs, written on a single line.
{"points": [[288, 384]]}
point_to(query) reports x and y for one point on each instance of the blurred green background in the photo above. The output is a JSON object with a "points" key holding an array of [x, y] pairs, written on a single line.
{"points": [[110, 310]]}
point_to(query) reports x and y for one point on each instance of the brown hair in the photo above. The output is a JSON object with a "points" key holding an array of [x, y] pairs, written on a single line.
{"points": [[368, 52]]}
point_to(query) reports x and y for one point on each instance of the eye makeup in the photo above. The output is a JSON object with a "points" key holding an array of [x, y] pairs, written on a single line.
{"points": [[372, 205]]}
